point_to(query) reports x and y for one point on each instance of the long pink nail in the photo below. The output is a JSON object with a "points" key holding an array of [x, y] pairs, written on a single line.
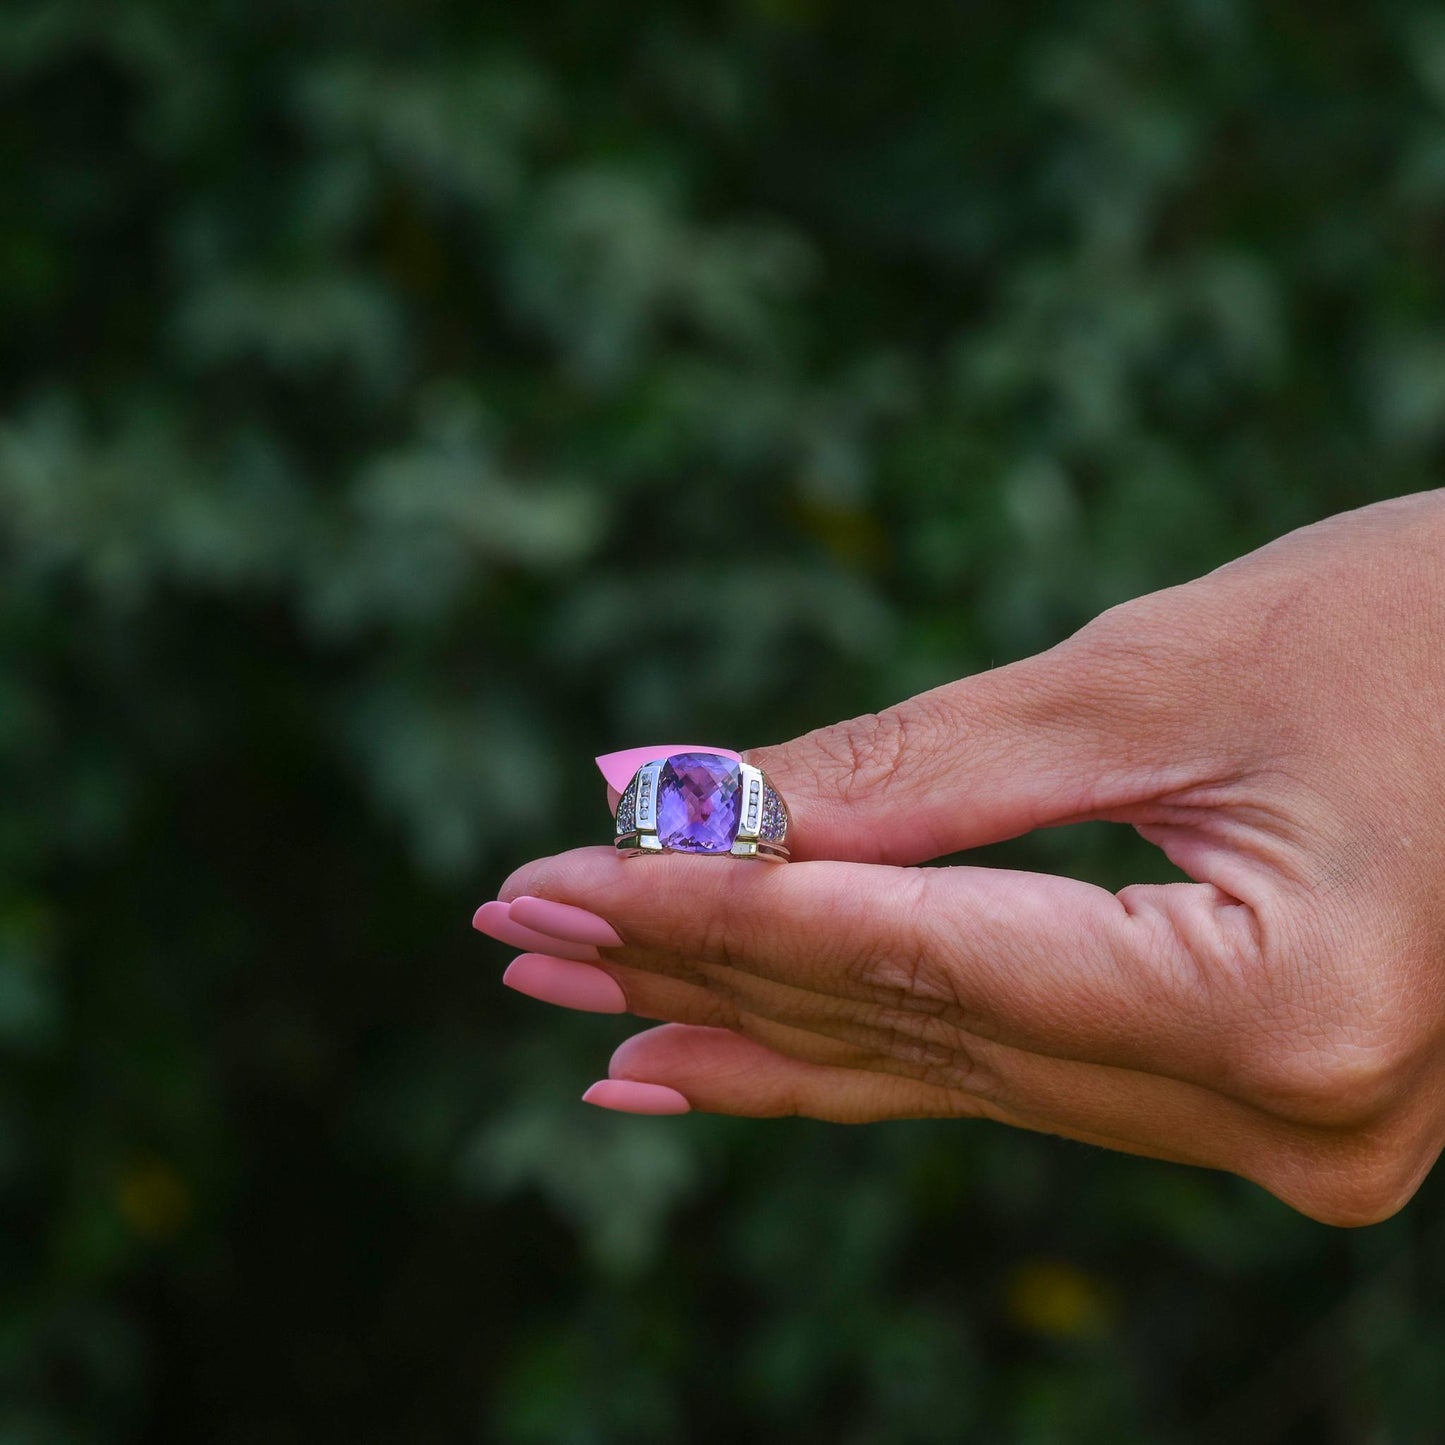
{"points": [[566, 984], [493, 920], [628, 1096], [563, 920], [618, 768]]}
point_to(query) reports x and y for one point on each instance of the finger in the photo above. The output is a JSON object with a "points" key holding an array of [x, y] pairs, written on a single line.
{"points": [[1046, 964], [756, 1007], [1093, 728], [723, 1072]]}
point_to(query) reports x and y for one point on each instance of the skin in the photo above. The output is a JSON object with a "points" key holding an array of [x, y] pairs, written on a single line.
{"points": [[1277, 727]]}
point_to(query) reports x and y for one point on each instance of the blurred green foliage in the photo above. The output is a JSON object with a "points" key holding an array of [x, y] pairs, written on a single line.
{"points": [[404, 403]]}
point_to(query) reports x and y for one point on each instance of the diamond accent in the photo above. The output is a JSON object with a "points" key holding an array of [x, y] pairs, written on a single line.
{"points": [[754, 799], [627, 809], [775, 817]]}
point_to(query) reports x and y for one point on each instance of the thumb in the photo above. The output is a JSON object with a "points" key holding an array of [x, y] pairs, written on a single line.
{"points": [[1091, 728]]}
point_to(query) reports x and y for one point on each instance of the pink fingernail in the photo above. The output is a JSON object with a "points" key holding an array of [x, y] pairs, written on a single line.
{"points": [[566, 984], [618, 768], [493, 920], [628, 1096], [563, 920]]}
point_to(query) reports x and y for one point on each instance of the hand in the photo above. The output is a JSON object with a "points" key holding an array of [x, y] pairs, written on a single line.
{"points": [[1277, 727]]}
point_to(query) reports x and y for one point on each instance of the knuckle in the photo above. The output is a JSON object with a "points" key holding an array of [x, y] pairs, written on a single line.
{"points": [[1124, 634], [895, 975], [1335, 1083], [911, 976], [713, 940], [1363, 1180], [725, 933], [856, 757], [961, 1073], [1334, 1042], [1147, 669], [916, 1053], [1134, 627], [940, 1057]]}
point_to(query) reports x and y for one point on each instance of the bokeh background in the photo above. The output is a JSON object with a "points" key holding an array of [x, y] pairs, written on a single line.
{"points": [[405, 402]]}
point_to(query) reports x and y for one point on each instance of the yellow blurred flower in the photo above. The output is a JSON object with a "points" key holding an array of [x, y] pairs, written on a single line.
{"points": [[1054, 1298], [153, 1199], [854, 537]]}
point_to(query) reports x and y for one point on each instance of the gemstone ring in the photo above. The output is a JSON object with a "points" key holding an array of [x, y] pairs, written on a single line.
{"points": [[701, 803]]}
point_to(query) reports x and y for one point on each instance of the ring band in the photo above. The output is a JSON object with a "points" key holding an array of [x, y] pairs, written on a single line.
{"points": [[701, 803]]}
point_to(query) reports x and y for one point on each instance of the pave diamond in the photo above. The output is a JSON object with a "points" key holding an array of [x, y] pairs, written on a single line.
{"points": [[627, 809], [698, 803], [775, 817]]}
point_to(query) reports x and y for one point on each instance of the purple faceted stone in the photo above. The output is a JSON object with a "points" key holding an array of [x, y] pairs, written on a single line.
{"points": [[698, 803]]}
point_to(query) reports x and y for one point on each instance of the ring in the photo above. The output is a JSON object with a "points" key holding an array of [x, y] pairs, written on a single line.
{"points": [[701, 803]]}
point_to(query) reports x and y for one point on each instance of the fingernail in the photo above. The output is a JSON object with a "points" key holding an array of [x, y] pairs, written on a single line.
{"points": [[563, 920], [628, 1096], [565, 983], [619, 767], [493, 920]]}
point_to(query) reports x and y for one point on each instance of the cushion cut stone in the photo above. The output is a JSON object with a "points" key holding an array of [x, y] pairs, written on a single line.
{"points": [[698, 803]]}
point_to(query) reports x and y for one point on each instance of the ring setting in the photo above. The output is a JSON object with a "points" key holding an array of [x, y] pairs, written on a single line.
{"points": [[701, 803]]}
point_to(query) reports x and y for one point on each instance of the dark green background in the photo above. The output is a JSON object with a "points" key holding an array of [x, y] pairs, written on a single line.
{"points": [[405, 402]]}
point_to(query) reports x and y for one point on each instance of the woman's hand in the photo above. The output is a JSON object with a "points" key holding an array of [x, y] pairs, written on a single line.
{"points": [[1277, 727]]}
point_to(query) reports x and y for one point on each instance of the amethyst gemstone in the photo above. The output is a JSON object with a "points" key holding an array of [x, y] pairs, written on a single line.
{"points": [[698, 803]]}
